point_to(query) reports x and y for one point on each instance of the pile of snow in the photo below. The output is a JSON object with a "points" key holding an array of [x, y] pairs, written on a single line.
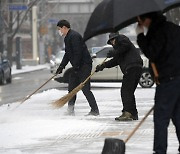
{"points": [[36, 120]]}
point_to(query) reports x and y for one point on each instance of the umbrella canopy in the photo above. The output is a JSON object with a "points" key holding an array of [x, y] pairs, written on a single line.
{"points": [[112, 15]]}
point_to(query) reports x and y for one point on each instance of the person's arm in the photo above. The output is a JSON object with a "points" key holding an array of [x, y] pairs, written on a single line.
{"points": [[108, 64], [77, 45], [64, 61], [152, 48], [111, 63], [63, 64]]}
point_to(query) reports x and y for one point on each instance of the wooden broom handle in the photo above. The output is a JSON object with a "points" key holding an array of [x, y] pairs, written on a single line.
{"points": [[93, 72], [28, 96], [156, 74], [140, 123]]}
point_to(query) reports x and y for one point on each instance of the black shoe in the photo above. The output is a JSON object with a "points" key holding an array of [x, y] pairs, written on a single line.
{"points": [[93, 113], [135, 117], [126, 116]]}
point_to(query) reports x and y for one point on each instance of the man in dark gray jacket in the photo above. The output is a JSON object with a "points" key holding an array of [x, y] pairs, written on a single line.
{"points": [[128, 58], [77, 54]]}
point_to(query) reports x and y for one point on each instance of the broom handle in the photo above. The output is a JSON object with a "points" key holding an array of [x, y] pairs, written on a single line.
{"points": [[28, 96], [93, 72], [140, 123], [156, 74]]}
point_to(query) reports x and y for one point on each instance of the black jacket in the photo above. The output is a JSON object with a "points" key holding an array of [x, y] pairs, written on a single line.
{"points": [[76, 51], [162, 46], [125, 55]]}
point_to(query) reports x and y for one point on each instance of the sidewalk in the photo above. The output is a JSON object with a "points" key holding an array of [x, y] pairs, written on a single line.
{"points": [[27, 68]]}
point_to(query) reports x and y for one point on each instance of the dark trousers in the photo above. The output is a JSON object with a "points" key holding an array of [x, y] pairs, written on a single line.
{"points": [[75, 79], [167, 106], [129, 85]]}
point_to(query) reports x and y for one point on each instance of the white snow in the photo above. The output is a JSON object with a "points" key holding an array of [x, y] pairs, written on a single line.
{"points": [[28, 68]]}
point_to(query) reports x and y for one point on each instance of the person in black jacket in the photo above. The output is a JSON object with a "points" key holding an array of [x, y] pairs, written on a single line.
{"points": [[161, 45], [77, 54], [128, 58]]}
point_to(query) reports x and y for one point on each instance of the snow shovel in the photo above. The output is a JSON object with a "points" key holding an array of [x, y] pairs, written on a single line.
{"points": [[117, 146], [63, 100], [28, 96]]}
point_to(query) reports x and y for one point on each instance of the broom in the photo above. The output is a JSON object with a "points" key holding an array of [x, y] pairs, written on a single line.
{"points": [[117, 146], [63, 100]]}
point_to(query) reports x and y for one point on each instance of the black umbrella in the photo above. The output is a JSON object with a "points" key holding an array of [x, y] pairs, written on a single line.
{"points": [[113, 15]]}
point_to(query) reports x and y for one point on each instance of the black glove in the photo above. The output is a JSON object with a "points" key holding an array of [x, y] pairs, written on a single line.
{"points": [[100, 67], [59, 70], [110, 54]]}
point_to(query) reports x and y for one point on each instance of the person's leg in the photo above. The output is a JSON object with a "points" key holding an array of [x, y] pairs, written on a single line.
{"points": [[90, 97], [129, 85], [73, 83], [161, 122], [85, 72], [165, 100], [176, 112], [176, 122]]}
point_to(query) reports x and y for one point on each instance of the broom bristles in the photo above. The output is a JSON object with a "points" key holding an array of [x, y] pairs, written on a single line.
{"points": [[63, 100]]}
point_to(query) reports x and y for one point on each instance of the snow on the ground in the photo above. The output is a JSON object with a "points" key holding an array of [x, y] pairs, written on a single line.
{"points": [[28, 68], [36, 119], [37, 123]]}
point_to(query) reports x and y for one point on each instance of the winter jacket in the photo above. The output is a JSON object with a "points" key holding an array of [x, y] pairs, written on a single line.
{"points": [[76, 51], [125, 55], [162, 46]]}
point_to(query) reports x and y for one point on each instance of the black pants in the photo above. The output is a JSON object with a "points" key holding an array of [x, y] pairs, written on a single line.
{"points": [[129, 85], [75, 79], [167, 106]]}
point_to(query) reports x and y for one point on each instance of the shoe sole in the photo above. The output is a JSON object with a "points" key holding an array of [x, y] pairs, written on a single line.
{"points": [[125, 119], [92, 115]]}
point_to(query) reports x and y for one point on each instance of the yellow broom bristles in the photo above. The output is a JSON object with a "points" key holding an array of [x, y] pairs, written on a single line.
{"points": [[63, 100]]}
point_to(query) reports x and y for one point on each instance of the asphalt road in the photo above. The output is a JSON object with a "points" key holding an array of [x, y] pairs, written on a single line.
{"points": [[25, 84]]}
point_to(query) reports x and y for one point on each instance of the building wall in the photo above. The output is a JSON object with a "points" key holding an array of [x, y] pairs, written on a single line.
{"points": [[77, 12], [49, 13]]}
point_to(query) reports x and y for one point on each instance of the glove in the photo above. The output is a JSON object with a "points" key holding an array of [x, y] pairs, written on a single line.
{"points": [[100, 67], [110, 54], [59, 70], [139, 29]]}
